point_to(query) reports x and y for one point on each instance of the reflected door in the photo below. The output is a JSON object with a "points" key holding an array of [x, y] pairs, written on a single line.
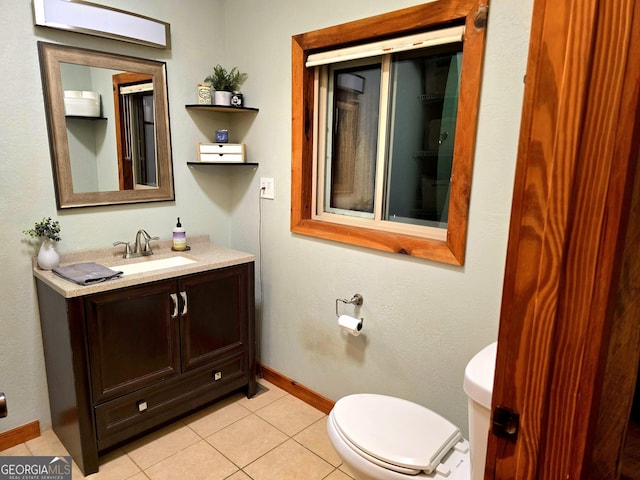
{"points": [[135, 137]]}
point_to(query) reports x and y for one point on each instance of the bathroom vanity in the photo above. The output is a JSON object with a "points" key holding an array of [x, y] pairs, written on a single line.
{"points": [[130, 354]]}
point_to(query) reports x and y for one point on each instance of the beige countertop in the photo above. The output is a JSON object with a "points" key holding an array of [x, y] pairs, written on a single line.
{"points": [[206, 256]]}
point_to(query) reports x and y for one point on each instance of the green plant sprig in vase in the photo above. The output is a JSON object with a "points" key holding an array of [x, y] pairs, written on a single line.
{"points": [[48, 230]]}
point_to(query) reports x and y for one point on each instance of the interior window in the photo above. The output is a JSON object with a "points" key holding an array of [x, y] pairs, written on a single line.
{"points": [[384, 130], [351, 126], [424, 103], [408, 143]]}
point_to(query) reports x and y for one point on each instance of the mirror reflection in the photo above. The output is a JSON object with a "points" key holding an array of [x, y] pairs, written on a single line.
{"points": [[108, 127], [111, 137]]}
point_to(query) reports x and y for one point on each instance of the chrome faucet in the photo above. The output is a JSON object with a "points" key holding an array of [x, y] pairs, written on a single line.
{"points": [[139, 249]]}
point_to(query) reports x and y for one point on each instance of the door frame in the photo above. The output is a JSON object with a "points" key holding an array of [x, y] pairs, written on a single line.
{"points": [[566, 323], [126, 178]]}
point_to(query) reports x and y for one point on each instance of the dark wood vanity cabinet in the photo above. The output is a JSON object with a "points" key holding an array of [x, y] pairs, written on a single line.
{"points": [[133, 339], [124, 361]]}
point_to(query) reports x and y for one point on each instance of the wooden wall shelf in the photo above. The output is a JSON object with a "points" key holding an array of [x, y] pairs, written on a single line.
{"points": [[249, 164], [222, 108]]}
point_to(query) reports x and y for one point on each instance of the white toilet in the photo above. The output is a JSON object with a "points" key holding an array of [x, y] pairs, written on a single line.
{"points": [[380, 437]]}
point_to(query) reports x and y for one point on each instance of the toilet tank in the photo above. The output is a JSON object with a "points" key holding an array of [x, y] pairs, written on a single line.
{"points": [[478, 385]]}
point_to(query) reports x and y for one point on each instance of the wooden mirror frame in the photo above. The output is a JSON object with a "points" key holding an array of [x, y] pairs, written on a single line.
{"points": [[51, 55]]}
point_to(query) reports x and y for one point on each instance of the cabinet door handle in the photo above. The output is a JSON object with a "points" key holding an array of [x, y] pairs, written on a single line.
{"points": [[183, 294], [174, 298]]}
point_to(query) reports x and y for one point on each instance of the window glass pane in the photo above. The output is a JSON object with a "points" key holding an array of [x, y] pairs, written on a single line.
{"points": [[352, 139], [424, 103]]}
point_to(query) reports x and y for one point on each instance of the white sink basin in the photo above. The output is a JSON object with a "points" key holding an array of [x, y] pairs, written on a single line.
{"points": [[151, 265]]}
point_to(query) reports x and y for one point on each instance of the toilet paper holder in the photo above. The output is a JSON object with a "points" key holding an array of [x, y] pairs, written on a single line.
{"points": [[355, 300]]}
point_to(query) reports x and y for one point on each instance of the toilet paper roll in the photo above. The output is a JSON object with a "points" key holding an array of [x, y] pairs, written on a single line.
{"points": [[350, 324]]}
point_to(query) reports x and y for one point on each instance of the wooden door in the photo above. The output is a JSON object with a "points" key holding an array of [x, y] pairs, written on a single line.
{"points": [[215, 320], [133, 339], [568, 342], [126, 178]]}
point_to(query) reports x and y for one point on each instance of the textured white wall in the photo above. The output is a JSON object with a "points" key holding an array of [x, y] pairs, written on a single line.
{"points": [[423, 320], [203, 199]]}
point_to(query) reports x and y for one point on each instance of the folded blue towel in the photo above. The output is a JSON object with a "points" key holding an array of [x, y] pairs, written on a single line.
{"points": [[86, 273]]}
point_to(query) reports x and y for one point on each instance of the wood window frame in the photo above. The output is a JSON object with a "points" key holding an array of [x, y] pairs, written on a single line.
{"points": [[441, 13]]}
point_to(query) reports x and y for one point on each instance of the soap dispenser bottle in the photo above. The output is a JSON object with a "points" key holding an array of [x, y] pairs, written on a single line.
{"points": [[179, 237]]}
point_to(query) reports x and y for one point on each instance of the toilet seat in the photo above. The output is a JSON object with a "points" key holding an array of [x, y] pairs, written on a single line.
{"points": [[365, 455], [407, 438]]}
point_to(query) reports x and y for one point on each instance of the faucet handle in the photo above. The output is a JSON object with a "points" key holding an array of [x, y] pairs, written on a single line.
{"points": [[146, 249], [127, 248]]}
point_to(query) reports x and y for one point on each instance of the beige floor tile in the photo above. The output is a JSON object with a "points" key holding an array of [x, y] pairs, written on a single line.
{"points": [[267, 393], [289, 461], [137, 476], [200, 461], [159, 445], [246, 440], [20, 450], [290, 414], [114, 465], [347, 471], [338, 475], [239, 475], [316, 439], [47, 444], [218, 416]]}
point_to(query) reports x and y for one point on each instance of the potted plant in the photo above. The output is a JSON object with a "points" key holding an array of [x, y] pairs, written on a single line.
{"points": [[48, 231], [225, 82]]}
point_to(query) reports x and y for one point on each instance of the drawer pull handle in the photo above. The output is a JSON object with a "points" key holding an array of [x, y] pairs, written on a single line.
{"points": [[217, 375], [142, 406], [183, 294], [174, 298]]}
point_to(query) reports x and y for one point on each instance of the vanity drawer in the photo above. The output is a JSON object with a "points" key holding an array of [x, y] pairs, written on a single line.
{"points": [[132, 414]]}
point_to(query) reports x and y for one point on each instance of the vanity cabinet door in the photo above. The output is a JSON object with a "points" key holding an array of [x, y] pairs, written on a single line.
{"points": [[214, 322], [133, 339]]}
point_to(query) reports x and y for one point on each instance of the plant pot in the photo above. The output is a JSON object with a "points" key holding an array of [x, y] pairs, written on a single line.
{"points": [[220, 97], [48, 258]]}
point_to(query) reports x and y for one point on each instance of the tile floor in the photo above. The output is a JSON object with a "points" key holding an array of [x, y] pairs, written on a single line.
{"points": [[273, 436]]}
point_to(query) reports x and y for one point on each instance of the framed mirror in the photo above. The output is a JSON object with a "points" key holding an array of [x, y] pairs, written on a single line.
{"points": [[108, 125]]}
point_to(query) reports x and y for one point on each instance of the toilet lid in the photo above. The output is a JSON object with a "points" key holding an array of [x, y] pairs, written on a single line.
{"points": [[395, 431]]}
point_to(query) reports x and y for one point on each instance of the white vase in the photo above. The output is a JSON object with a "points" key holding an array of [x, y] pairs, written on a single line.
{"points": [[220, 97], [48, 258]]}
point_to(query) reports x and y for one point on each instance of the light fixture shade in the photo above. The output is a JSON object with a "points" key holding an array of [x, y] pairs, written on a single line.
{"points": [[93, 19]]}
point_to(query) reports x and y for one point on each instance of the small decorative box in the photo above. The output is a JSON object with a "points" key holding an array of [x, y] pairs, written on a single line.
{"points": [[222, 136], [221, 152], [237, 100]]}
